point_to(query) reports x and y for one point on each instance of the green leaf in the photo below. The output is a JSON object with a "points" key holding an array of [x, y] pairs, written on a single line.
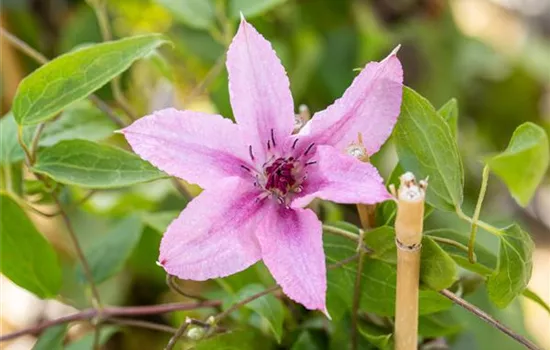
{"points": [[243, 339], [376, 337], [486, 261], [426, 147], [437, 269], [251, 8], [379, 278], [198, 14], [27, 258], [159, 221], [87, 341], [304, 342], [524, 162], [514, 266], [80, 120], [91, 165], [10, 151], [439, 325], [109, 252], [529, 294], [449, 112], [52, 338], [268, 307], [75, 75]]}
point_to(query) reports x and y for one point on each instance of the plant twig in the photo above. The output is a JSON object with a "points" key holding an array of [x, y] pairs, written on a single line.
{"points": [[81, 257], [356, 301], [40, 58], [490, 320], [181, 331], [243, 302], [108, 312], [408, 238], [35, 139], [170, 281], [346, 234], [142, 324], [487, 227], [100, 10], [475, 218]]}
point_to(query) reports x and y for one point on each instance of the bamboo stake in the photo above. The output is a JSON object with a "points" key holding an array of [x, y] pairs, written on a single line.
{"points": [[408, 231]]}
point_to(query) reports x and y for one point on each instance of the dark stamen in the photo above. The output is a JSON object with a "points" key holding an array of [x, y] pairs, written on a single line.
{"points": [[250, 152], [268, 145], [294, 143], [309, 148], [273, 139], [245, 168], [310, 163]]}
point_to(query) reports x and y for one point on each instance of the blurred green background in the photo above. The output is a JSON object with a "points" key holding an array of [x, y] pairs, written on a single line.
{"points": [[492, 55]]}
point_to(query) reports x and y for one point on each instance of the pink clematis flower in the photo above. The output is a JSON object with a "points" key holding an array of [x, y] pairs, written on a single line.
{"points": [[258, 176]]}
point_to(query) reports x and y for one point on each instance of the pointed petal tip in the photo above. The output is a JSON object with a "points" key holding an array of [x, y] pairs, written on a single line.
{"points": [[324, 310], [119, 131], [242, 17], [395, 50]]}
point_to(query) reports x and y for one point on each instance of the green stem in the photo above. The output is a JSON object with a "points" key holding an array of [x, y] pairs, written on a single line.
{"points": [[487, 227], [35, 139], [451, 242], [341, 232], [475, 219]]}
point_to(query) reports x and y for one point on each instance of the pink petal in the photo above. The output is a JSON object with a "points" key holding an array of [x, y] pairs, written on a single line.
{"points": [[259, 88], [214, 236], [292, 249], [341, 178], [370, 106], [198, 147]]}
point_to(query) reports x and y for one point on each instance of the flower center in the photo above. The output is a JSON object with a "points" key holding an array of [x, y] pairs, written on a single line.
{"points": [[280, 176]]}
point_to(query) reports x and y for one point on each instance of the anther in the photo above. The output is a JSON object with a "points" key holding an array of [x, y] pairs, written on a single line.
{"points": [[273, 139], [311, 163], [294, 144], [245, 168], [309, 148], [268, 145], [250, 152]]}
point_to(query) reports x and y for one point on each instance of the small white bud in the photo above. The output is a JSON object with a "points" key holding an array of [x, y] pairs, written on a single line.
{"points": [[196, 333]]}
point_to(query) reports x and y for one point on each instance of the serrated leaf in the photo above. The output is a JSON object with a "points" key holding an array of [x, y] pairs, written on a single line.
{"points": [[426, 147], [52, 338], [91, 165], [524, 162], [486, 260], [514, 266], [27, 258], [75, 75], [267, 307], [449, 112], [251, 8], [109, 252], [198, 14], [87, 341]]}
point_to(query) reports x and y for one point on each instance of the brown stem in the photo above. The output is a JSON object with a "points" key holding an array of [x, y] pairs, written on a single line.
{"points": [[490, 320], [142, 324], [108, 312]]}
